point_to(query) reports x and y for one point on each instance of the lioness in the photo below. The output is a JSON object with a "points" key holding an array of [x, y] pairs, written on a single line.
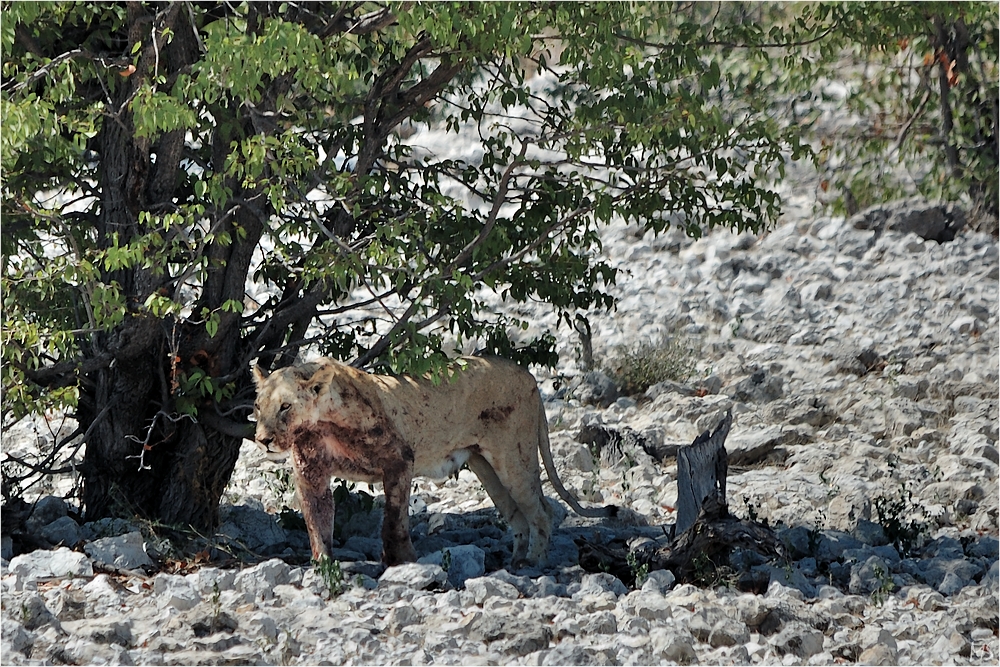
{"points": [[340, 421]]}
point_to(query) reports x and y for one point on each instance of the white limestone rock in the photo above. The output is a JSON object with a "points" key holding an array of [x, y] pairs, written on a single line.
{"points": [[126, 552], [58, 564]]}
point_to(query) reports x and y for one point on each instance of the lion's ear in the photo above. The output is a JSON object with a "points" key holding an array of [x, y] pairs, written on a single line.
{"points": [[312, 377], [258, 375], [306, 373]]}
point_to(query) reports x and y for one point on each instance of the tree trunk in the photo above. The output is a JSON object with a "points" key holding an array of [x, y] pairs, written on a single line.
{"points": [[142, 457], [179, 479]]}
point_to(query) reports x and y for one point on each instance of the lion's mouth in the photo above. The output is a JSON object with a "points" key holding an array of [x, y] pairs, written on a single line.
{"points": [[271, 450]]}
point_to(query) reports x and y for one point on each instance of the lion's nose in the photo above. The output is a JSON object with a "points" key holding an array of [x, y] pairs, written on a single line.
{"points": [[265, 439]]}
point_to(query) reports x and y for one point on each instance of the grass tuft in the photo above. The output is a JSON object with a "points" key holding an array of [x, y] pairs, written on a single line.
{"points": [[636, 369]]}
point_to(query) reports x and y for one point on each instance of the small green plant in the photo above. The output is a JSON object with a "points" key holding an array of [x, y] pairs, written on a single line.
{"points": [[893, 369], [640, 571], [637, 369], [753, 513], [446, 560], [331, 575], [813, 536], [216, 604], [788, 570], [896, 514], [885, 585], [704, 572], [735, 326]]}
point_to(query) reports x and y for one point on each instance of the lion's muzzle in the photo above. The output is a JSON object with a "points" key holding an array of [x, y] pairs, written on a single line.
{"points": [[272, 451]]}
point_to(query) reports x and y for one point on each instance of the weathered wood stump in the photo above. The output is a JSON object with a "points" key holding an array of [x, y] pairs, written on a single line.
{"points": [[701, 477], [704, 534]]}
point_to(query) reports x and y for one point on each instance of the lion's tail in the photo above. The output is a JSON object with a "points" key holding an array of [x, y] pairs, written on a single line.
{"points": [[550, 469]]}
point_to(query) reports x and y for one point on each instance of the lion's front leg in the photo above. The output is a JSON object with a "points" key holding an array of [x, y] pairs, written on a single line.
{"points": [[396, 545], [317, 510]]}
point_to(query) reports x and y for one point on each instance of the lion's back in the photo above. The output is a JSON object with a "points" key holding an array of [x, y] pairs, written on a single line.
{"points": [[488, 399]]}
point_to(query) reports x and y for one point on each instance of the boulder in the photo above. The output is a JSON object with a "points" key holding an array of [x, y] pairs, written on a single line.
{"points": [[59, 564], [672, 646], [931, 222], [176, 591], [103, 630], [126, 552], [596, 388], [758, 387], [463, 562], [63, 531], [600, 583], [799, 640], [258, 582], [483, 588], [35, 614], [418, 576], [15, 638], [569, 654], [870, 576], [46, 510], [250, 525]]}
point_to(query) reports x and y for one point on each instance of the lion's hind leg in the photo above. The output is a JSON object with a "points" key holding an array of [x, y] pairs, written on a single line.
{"points": [[532, 504], [504, 503], [522, 493]]}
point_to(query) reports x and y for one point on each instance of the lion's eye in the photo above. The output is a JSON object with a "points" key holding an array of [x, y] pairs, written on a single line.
{"points": [[285, 407]]}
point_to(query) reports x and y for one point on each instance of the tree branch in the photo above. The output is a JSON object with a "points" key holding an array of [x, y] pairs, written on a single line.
{"points": [[901, 137], [491, 219], [383, 343], [56, 374], [225, 426], [733, 45], [44, 69]]}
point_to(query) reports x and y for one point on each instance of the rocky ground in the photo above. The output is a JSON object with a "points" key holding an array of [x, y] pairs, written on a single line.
{"points": [[860, 363]]}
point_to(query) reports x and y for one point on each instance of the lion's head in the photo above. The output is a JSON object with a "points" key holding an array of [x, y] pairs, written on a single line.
{"points": [[285, 400]]}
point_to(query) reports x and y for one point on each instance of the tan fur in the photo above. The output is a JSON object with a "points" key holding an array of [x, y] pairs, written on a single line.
{"points": [[339, 421]]}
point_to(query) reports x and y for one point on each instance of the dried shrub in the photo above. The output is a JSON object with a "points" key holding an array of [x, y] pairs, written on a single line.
{"points": [[636, 369]]}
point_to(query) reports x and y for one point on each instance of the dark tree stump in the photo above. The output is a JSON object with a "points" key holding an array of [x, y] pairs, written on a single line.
{"points": [[701, 477], [704, 532]]}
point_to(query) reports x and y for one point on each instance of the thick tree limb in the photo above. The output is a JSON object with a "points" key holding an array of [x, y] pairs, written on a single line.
{"points": [[60, 374], [491, 219], [220, 424], [47, 67], [383, 343]]}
